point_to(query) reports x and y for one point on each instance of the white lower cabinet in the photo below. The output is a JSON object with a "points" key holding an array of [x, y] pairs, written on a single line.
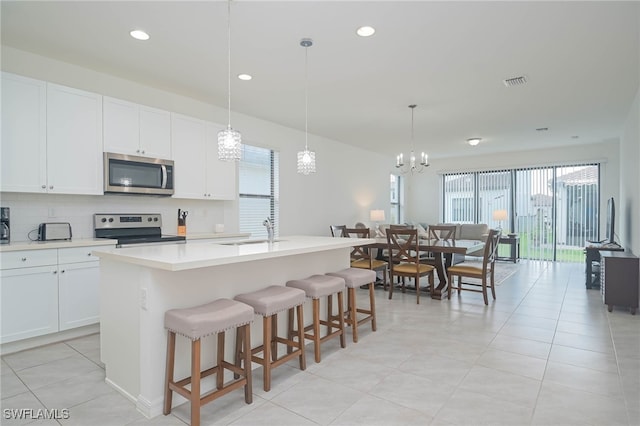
{"points": [[46, 291], [29, 302]]}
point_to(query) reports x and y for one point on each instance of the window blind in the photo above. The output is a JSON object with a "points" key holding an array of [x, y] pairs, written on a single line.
{"points": [[258, 188]]}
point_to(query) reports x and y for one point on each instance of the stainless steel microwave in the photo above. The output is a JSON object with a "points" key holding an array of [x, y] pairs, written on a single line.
{"points": [[130, 174]]}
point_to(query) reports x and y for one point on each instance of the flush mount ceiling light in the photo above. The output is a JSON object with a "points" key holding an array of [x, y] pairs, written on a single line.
{"points": [[412, 166], [542, 129], [306, 158], [139, 35], [229, 140], [474, 141], [365, 31], [245, 77]]}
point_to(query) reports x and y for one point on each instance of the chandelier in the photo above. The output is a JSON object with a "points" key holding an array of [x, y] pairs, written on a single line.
{"points": [[306, 158], [229, 140], [412, 167]]}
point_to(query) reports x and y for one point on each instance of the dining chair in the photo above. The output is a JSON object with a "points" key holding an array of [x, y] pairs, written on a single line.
{"points": [[404, 259], [438, 232], [484, 271], [361, 256], [338, 230]]}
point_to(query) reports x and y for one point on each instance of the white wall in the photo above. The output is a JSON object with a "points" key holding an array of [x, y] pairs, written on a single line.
{"points": [[423, 189], [628, 214], [349, 181]]}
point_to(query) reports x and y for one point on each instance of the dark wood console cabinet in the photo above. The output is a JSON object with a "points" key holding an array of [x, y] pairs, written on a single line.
{"points": [[619, 281]]}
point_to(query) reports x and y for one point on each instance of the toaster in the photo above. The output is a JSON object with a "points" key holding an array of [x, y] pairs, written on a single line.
{"points": [[54, 231]]}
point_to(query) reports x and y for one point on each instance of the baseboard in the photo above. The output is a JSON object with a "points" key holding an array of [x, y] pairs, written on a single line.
{"points": [[47, 339]]}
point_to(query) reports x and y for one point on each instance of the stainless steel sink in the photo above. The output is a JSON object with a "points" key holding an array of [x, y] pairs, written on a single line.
{"points": [[242, 243]]}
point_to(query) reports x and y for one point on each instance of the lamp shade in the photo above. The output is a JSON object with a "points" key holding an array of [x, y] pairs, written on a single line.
{"points": [[500, 215], [376, 215]]}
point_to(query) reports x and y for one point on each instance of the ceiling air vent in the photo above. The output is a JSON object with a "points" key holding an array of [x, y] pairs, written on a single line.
{"points": [[515, 81]]}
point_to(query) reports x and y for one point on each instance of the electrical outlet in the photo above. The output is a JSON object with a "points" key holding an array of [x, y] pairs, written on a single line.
{"points": [[143, 298]]}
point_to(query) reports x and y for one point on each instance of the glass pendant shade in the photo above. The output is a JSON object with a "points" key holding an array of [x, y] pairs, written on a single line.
{"points": [[306, 162], [229, 144]]}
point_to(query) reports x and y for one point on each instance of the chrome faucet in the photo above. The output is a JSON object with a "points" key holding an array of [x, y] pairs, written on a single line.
{"points": [[269, 226]]}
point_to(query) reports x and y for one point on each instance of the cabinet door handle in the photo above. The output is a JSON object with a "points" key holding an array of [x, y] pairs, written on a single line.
{"points": [[89, 254], [138, 151], [62, 272], [143, 151], [44, 186], [51, 187], [55, 272]]}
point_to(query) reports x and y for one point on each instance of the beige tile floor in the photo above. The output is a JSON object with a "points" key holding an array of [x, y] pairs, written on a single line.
{"points": [[547, 352]]}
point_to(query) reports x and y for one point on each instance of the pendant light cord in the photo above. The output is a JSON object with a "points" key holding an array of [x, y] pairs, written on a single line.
{"points": [[306, 98], [229, 61]]}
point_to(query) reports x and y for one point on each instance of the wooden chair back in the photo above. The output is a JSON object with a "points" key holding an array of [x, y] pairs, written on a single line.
{"points": [[402, 244], [338, 230], [490, 250], [442, 232], [359, 252]]}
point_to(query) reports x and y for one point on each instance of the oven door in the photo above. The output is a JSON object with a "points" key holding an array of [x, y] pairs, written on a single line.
{"points": [[130, 174]]}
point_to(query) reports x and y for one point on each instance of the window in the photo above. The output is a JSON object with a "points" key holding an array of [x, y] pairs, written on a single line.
{"points": [[553, 209], [397, 200], [258, 190]]}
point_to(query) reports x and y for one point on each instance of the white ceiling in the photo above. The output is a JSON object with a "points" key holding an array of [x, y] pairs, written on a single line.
{"points": [[581, 59]]}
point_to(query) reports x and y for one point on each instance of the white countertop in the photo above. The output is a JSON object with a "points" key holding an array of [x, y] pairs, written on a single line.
{"points": [[42, 245], [179, 257], [212, 235]]}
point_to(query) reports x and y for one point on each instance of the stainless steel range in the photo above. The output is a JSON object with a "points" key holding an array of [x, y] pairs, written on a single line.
{"points": [[131, 229]]}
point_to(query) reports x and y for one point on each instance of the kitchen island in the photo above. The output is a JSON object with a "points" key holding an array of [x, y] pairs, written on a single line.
{"points": [[138, 284]]}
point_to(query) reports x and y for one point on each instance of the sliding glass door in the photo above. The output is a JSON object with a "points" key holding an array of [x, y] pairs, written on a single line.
{"points": [[553, 209]]}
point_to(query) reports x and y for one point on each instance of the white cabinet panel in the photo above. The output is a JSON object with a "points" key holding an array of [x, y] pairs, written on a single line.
{"points": [[80, 254], [74, 141], [28, 258], [135, 129], [24, 138], [188, 137], [78, 294], [29, 302], [221, 175]]}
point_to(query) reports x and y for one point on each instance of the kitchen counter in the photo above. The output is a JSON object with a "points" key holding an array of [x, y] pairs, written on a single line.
{"points": [[179, 257], [42, 245], [215, 235], [139, 284]]}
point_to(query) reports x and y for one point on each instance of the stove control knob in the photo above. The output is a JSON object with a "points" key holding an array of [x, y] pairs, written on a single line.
{"points": [[149, 219], [110, 219], [155, 219], [103, 220]]}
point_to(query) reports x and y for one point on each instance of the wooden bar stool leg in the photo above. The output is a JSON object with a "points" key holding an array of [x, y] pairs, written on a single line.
{"points": [[219, 359], [351, 301], [330, 312], [248, 387], [290, 330], [266, 353], [171, 352], [303, 357], [316, 328], [343, 340], [274, 337], [372, 305], [195, 382], [239, 354]]}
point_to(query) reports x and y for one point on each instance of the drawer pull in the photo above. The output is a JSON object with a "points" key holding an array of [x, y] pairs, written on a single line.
{"points": [[55, 272], [62, 272], [24, 259]]}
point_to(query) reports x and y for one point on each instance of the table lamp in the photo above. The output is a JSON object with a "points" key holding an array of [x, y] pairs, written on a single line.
{"points": [[376, 216], [500, 215]]}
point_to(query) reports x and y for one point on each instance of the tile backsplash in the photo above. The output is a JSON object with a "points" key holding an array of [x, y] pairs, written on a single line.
{"points": [[29, 210]]}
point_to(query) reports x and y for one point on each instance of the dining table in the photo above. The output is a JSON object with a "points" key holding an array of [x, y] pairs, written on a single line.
{"points": [[443, 251]]}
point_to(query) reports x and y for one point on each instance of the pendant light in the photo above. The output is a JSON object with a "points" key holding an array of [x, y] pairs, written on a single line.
{"points": [[229, 140], [412, 167], [306, 158]]}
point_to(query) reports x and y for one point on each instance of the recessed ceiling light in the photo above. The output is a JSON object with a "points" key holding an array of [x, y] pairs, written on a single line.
{"points": [[474, 141], [245, 77], [542, 129], [575, 137], [365, 31], [139, 35]]}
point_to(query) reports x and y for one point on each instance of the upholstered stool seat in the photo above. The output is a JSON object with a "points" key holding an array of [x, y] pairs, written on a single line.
{"points": [[195, 323], [315, 287], [268, 302], [354, 278]]}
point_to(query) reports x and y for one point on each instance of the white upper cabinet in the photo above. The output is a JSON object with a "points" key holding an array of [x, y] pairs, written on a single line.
{"points": [[135, 129], [188, 137], [51, 138], [221, 175], [24, 134], [199, 174], [74, 141]]}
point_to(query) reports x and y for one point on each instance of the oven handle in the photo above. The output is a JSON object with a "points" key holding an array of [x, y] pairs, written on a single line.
{"points": [[164, 176]]}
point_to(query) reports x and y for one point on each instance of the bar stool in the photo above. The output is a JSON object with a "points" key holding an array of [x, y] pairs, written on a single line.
{"points": [[315, 287], [268, 302], [354, 278], [195, 323]]}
